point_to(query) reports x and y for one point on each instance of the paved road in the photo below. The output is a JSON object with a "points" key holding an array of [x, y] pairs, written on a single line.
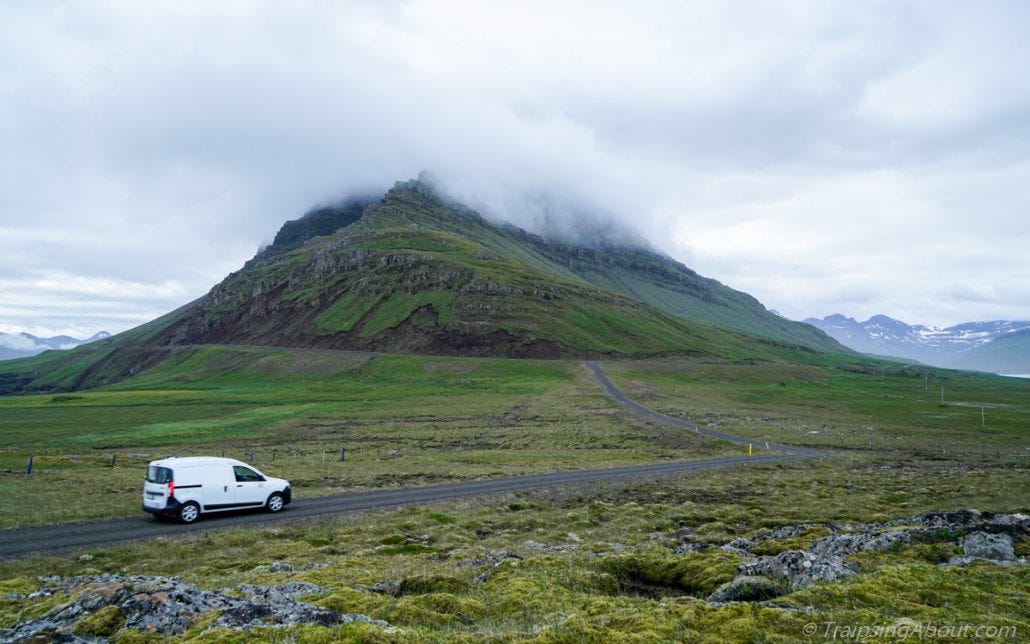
{"points": [[107, 532]]}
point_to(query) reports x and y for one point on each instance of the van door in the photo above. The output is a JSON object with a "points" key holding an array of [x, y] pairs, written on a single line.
{"points": [[156, 487], [219, 488], [251, 487]]}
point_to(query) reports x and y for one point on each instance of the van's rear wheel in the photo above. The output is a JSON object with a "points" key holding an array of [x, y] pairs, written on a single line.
{"points": [[189, 512], [275, 503]]}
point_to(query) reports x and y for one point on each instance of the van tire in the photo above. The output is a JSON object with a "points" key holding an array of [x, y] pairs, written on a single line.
{"points": [[275, 503], [189, 512]]}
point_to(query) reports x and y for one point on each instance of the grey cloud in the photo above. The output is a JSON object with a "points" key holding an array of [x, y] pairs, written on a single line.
{"points": [[822, 156]]}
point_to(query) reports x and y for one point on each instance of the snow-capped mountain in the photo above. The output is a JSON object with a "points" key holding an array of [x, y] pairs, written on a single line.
{"points": [[960, 346], [22, 345]]}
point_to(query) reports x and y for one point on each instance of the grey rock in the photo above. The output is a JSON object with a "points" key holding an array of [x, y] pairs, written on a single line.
{"points": [[280, 567], [949, 520], [788, 531], [739, 546], [688, 548], [965, 560], [749, 588], [492, 559], [842, 545], [740, 543], [167, 606], [683, 533], [533, 545], [282, 593], [994, 547], [1019, 522], [798, 567]]}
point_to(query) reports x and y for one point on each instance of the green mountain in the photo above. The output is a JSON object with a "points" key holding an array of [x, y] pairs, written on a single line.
{"points": [[411, 273]]}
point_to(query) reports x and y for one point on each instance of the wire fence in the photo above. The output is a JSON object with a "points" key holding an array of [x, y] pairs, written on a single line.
{"points": [[20, 464]]}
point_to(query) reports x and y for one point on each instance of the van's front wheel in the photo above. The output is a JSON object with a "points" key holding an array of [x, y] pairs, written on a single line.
{"points": [[189, 512], [275, 503]]}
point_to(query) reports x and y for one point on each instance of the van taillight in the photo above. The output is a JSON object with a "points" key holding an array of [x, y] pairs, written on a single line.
{"points": [[171, 489]]}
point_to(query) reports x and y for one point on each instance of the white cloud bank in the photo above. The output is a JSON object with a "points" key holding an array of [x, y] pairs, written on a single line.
{"points": [[824, 156]]}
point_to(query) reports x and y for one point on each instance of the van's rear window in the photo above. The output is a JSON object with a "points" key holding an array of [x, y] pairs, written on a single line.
{"points": [[158, 474]]}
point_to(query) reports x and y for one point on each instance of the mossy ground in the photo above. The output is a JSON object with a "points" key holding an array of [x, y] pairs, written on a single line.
{"points": [[593, 567]]}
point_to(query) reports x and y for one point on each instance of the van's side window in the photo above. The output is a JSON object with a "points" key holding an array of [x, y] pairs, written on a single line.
{"points": [[246, 474]]}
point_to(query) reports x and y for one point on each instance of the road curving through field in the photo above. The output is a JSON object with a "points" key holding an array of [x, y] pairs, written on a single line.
{"points": [[71, 536]]}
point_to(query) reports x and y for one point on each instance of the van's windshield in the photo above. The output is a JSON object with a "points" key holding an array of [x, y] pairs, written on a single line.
{"points": [[158, 474]]}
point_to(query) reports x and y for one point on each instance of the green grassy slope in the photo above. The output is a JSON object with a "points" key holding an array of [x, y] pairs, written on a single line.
{"points": [[669, 285], [639, 274], [416, 276], [90, 365]]}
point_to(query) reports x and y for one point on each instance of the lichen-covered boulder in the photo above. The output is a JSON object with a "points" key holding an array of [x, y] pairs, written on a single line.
{"points": [[995, 547], [799, 568]]}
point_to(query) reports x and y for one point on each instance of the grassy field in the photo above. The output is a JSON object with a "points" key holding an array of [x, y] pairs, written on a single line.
{"points": [[594, 564], [872, 409], [400, 420]]}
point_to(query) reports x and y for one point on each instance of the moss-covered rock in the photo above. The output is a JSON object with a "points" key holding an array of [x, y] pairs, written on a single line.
{"points": [[769, 547], [102, 623]]}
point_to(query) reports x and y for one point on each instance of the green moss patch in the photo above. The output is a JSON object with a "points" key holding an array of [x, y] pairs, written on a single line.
{"points": [[652, 574], [102, 623]]}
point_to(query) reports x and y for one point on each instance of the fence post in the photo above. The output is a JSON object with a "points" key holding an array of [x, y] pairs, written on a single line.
{"points": [[112, 460]]}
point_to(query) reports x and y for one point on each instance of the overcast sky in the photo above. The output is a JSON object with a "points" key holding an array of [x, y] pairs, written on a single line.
{"points": [[852, 157]]}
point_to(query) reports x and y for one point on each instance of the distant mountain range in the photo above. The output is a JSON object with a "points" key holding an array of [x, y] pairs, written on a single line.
{"points": [[22, 345], [1002, 346]]}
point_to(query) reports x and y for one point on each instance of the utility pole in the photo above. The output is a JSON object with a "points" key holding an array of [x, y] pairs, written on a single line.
{"points": [[942, 395], [983, 419]]}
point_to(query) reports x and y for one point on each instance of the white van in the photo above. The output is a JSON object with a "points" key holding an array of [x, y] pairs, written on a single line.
{"points": [[183, 488]]}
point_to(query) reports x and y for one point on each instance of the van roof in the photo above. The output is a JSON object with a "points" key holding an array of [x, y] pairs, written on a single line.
{"points": [[187, 461]]}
